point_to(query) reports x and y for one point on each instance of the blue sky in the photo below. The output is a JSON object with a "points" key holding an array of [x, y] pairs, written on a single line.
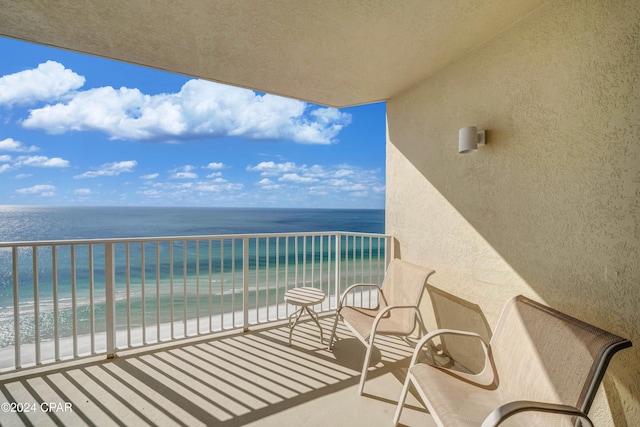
{"points": [[82, 130]]}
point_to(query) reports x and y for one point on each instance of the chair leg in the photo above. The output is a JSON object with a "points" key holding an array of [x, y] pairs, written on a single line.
{"points": [[402, 399], [333, 331], [365, 366], [423, 330]]}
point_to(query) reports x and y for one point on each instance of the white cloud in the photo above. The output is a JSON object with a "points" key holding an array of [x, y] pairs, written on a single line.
{"points": [[110, 169], [214, 174], [354, 187], [44, 190], [192, 190], [155, 194], [327, 115], [32, 161], [294, 177], [173, 186], [42, 162], [342, 173], [82, 192], [150, 176], [201, 109], [267, 184], [5, 165], [184, 172], [10, 144], [339, 180], [49, 81], [217, 187], [318, 190], [184, 175], [271, 168], [215, 165], [185, 168], [23, 175]]}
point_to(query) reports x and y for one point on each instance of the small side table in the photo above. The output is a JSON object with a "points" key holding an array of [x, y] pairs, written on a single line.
{"points": [[305, 298]]}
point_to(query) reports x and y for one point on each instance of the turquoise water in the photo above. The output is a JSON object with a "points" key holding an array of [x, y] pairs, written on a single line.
{"points": [[170, 284]]}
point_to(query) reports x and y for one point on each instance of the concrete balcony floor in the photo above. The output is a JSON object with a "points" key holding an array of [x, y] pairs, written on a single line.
{"points": [[229, 379]]}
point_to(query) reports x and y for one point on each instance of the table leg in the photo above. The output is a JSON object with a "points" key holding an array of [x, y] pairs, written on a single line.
{"points": [[299, 314], [316, 319]]}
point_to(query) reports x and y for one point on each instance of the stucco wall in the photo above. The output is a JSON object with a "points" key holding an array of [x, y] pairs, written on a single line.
{"points": [[550, 208]]}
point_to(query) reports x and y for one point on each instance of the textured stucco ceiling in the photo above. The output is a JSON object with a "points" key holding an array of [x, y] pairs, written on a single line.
{"points": [[332, 52]]}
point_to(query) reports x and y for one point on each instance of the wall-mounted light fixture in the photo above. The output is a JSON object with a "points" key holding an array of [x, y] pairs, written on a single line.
{"points": [[469, 138]]}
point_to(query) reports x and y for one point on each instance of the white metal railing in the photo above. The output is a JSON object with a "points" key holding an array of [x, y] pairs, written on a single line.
{"points": [[68, 299]]}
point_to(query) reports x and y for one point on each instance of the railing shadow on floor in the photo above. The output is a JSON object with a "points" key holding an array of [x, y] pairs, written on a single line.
{"points": [[227, 380]]}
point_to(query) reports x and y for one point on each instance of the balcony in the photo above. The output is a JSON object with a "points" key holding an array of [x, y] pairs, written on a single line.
{"points": [[190, 330]]}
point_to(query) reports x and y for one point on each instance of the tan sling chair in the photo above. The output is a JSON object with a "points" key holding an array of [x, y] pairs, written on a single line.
{"points": [[538, 360], [396, 313]]}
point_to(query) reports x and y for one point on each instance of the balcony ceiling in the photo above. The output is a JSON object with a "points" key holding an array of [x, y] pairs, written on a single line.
{"points": [[331, 52]]}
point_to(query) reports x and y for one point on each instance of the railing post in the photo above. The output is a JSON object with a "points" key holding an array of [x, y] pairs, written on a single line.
{"points": [[338, 267], [56, 311], [110, 303], [16, 309], [36, 304], [245, 284]]}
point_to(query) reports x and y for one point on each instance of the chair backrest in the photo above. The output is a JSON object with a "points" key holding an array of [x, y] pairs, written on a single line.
{"points": [[403, 284], [542, 354]]}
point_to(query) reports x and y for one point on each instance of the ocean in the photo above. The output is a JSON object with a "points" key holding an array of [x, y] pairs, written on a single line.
{"points": [[167, 290], [27, 223]]}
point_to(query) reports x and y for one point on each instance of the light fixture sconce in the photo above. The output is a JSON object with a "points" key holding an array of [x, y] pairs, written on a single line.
{"points": [[469, 138]]}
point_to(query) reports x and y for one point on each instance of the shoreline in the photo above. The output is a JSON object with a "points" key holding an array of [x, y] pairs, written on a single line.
{"points": [[219, 324]]}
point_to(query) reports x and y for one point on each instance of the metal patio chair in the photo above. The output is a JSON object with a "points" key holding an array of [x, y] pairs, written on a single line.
{"points": [[539, 360], [396, 313]]}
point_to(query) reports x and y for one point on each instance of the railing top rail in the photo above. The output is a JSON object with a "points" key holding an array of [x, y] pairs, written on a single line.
{"points": [[178, 238]]}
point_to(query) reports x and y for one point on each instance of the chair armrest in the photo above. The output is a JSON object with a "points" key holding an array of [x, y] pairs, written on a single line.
{"points": [[352, 287], [431, 335], [508, 409]]}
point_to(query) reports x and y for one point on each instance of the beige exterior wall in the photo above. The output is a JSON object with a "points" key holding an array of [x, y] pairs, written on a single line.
{"points": [[550, 208]]}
